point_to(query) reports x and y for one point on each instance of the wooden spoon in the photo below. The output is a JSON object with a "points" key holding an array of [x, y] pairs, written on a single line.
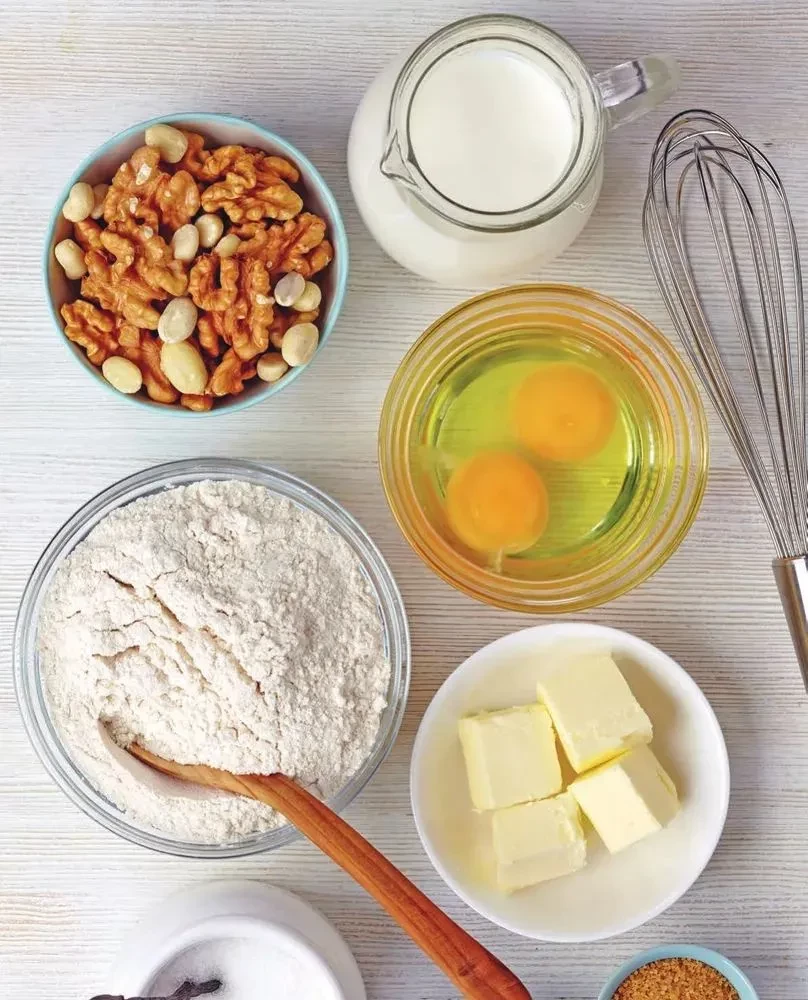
{"points": [[472, 968]]}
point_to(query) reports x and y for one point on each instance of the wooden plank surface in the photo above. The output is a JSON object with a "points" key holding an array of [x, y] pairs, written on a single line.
{"points": [[71, 74]]}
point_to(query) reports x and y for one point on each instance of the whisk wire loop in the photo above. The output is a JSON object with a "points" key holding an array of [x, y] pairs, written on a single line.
{"points": [[773, 313], [700, 158]]}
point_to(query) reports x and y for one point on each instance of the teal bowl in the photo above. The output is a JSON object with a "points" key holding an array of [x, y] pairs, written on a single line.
{"points": [[730, 971], [219, 130]]}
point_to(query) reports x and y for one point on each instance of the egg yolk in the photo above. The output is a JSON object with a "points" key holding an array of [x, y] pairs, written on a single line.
{"points": [[497, 502], [564, 412]]}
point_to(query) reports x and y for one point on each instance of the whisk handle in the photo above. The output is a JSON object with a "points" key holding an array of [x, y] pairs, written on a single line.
{"points": [[791, 576]]}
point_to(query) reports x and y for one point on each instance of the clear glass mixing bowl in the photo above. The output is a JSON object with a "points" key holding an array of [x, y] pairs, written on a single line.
{"points": [[28, 682]]}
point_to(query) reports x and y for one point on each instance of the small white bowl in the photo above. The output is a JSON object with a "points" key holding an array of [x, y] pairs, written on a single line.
{"points": [[277, 923], [614, 893]]}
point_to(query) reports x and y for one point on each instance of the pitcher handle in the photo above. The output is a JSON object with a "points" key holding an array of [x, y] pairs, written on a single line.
{"points": [[631, 89]]}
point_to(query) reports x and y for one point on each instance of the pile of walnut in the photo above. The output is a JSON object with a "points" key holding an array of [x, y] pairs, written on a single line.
{"points": [[169, 301]]}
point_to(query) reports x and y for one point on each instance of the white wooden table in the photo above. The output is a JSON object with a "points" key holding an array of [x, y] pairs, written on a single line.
{"points": [[72, 72]]}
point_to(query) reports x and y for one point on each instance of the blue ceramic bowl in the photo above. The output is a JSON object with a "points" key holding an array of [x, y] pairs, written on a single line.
{"points": [[219, 130], [730, 971]]}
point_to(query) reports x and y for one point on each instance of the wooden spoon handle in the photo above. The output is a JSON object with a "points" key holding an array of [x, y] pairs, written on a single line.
{"points": [[470, 966]]}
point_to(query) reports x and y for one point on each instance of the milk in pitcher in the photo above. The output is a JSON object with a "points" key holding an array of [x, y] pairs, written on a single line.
{"points": [[480, 157]]}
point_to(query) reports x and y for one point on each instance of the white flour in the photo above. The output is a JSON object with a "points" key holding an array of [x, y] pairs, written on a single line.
{"points": [[220, 624]]}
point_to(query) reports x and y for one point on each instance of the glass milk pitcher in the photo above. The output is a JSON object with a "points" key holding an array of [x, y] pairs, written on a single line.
{"points": [[482, 154]]}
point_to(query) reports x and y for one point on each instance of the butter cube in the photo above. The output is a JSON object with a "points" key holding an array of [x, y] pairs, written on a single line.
{"points": [[594, 712], [510, 756], [537, 841], [628, 798]]}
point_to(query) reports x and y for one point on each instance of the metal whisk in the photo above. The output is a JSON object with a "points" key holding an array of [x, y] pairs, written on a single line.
{"points": [[720, 236]]}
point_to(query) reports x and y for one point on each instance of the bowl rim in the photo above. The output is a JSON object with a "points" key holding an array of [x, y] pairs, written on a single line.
{"points": [[338, 235], [393, 418], [31, 700], [565, 629], [736, 976]]}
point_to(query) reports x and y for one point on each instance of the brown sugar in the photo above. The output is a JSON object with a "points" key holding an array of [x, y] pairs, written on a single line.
{"points": [[676, 979]]}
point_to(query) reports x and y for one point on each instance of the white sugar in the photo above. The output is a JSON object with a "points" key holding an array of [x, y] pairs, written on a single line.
{"points": [[249, 969]]}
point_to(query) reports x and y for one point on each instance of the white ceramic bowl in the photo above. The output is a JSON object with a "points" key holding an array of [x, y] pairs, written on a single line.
{"points": [[210, 912], [612, 894]]}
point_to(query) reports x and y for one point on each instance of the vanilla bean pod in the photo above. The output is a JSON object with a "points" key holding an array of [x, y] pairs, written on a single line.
{"points": [[186, 991]]}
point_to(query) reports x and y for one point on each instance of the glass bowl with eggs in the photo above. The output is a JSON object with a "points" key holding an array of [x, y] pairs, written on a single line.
{"points": [[543, 448]]}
